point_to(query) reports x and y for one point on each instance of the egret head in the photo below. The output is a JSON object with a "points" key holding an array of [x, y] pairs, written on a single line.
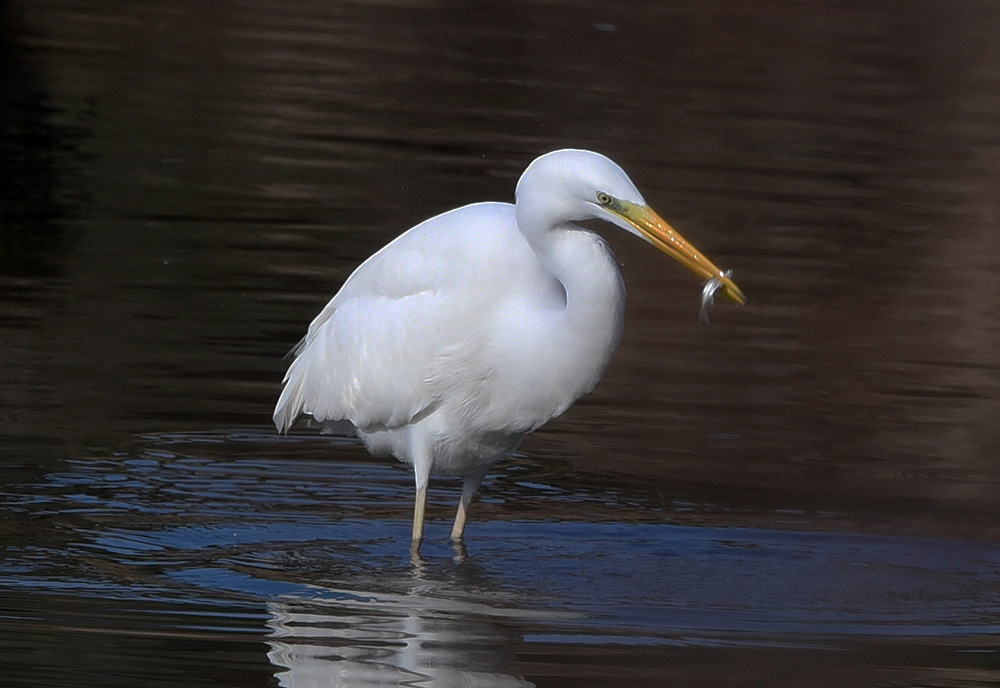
{"points": [[563, 186], [566, 186]]}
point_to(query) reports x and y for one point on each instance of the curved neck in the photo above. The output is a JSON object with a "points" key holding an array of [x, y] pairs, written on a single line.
{"points": [[585, 266]]}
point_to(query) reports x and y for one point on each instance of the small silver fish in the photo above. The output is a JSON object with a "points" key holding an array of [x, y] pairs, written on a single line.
{"points": [[708, 296]]}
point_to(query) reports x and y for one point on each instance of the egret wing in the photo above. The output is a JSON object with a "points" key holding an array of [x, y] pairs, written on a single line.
{"points": [[374, 354]]}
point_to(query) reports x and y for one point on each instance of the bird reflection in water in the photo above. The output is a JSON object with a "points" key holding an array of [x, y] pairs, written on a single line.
{"points": [[428, 633]]}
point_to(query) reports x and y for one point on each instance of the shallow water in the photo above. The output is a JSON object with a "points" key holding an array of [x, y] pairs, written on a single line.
{"points": [[801, 493]]}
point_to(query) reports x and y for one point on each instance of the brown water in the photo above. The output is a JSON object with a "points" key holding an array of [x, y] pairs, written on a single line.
{"points": [[803, 493]]}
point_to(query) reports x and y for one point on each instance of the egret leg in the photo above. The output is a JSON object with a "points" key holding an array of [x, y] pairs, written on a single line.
{"points": [[422, 462], [458, 530], [419, 506], [469, 487]]}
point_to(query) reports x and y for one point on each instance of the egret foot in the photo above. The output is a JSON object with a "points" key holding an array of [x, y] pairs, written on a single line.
{"points": [[415, 558]]}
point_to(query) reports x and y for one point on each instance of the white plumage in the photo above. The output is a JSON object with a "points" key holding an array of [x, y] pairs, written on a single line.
{"points": [[477, 326]]}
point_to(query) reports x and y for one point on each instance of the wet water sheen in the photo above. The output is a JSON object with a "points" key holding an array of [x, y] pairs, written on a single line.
{"points": [[802, 493]]}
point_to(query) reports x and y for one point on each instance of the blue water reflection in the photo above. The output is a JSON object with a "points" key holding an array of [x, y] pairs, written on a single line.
{"points": [[195, 527]]}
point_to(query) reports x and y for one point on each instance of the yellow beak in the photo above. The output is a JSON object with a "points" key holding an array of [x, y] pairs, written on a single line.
{"points": [[664, 237]]}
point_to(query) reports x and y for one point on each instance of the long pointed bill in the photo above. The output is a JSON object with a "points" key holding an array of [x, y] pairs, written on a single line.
{"points": [[653, 229]]}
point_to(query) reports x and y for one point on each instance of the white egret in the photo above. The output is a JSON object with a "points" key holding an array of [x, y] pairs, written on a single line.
{"points": [[470, 330]]}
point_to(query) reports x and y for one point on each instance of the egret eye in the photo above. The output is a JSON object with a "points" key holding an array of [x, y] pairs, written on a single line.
{"points": [[603, 198]]}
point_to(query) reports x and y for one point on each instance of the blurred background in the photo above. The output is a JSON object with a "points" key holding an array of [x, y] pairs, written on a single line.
{"points": [[802, 492]]}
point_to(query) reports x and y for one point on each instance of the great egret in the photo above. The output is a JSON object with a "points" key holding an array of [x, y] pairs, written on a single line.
{"points": [[470, 330]]}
